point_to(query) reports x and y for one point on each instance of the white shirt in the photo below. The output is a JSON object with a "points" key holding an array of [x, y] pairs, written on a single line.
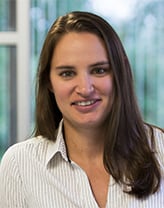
{"points": [[37, 174]]}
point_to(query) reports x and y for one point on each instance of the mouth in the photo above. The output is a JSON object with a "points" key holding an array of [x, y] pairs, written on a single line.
{"points": [[85, 103]]}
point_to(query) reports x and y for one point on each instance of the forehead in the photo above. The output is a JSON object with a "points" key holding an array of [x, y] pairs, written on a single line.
{"points": [[77, 35], [80, 42]]}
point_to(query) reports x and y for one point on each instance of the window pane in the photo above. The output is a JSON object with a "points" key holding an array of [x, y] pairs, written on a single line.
{"points": [[139, 25], [7, 97], [7, 15]]}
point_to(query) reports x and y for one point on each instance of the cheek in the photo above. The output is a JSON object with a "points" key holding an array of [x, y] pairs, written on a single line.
{"points": [[107, 87], [61, 93]]}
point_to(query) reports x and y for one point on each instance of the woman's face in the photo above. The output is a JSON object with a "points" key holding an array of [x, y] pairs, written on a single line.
{"points": [[81, 80]]}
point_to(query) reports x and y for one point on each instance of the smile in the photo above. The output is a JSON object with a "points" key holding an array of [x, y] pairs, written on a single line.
{"points": [[84, 103]]}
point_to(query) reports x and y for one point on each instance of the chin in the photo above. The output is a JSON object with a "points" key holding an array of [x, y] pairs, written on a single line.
{"points": [[90, 124]]}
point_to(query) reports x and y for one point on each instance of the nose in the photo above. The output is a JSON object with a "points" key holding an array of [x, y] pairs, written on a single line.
{"points": [[85, 85]]}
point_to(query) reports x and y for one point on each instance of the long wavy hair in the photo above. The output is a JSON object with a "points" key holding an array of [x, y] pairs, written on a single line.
{"points": [[129, 148]]}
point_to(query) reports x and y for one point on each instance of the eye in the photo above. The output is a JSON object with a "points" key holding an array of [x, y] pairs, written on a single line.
{"points": [[67, 74], [100, 71]]}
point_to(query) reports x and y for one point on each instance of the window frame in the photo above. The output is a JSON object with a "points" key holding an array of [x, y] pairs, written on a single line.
{"points": [[21, 40]]}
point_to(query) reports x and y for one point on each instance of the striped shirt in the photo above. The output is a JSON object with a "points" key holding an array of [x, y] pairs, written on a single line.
{"points": [[36, 173]]}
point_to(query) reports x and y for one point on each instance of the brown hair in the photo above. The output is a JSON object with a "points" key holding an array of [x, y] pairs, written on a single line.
{"points": [[128, 157]]}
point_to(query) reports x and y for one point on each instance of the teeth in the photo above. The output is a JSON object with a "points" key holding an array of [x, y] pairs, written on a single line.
{"points": [[85, 103]]}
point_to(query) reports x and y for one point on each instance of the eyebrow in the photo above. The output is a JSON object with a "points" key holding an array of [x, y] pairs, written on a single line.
{"points": [[65, 67], [101, 63]]}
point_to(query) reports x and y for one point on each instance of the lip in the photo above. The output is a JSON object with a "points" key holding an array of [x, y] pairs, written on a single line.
{"points": [[85, 106]]}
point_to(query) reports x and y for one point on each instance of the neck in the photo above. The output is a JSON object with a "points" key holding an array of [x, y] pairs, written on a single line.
{"points": [[87, 144]]}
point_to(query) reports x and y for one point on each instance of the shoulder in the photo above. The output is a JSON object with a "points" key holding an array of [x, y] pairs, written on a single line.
{"points": [[158, 132], [158, 139], [155, 134], [22, 151]]}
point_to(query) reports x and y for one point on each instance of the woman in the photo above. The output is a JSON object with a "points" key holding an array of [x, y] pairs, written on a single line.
{"points": [[91, 147]]}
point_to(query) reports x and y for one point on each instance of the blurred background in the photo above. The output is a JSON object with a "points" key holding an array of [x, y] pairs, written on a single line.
{"points": [[23, 27]]}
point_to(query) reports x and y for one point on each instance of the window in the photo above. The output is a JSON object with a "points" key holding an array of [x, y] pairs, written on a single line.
{"points": [[14, 72], [23, 27], [8, 98], [140, 27]]}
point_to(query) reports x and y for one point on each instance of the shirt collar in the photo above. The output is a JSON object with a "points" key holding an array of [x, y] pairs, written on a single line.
{"points": [[57, 146]]}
